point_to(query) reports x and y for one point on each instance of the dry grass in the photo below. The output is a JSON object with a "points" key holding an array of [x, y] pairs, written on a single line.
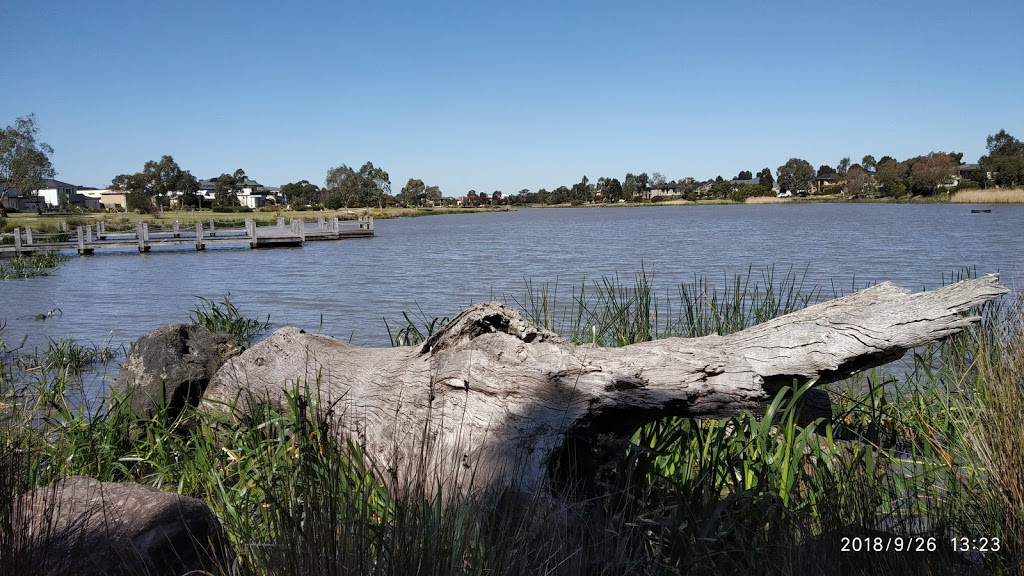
{"points": [[1001, 196], [766, 200]]}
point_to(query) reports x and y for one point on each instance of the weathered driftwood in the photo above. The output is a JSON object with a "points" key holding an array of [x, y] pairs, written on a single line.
{"points": [[492, 396]]}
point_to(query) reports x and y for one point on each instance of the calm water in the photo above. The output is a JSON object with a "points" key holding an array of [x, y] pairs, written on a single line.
{"points": [[440, 264]]}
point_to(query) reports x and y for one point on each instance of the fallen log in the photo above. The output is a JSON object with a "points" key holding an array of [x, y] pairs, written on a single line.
{"points": [[495, 401]]}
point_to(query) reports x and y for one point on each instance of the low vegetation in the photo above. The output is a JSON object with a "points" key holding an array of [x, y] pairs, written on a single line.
{"points": [[917, 457], [991, 196], [37, 264]]}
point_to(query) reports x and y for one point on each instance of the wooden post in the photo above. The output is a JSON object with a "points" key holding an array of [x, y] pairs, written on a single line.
{"points": [[199, 236], [280, 222], [334, 224], [28, 236], [142, 233], [88, 234], [213, 230], [321, 222], [101, 230], [17, 241], [250, 231], [177, 232], [83, 248], [299, 229]]}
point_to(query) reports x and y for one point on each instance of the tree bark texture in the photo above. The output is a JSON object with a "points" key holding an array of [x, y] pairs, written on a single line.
{"points": [[494, 401]]}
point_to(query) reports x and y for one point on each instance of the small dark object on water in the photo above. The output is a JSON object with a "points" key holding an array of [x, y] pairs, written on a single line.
{"points": [[980, 211]]}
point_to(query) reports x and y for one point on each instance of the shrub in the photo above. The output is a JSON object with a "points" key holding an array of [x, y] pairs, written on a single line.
{"points": [[226, 318]]}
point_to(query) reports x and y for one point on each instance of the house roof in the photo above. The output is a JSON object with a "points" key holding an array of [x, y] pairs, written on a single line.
{"points": [[738, 182], [51, 183]]}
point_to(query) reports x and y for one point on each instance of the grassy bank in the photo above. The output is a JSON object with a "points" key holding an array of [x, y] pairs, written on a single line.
{"points": [[1010, 196], [916, 459]]}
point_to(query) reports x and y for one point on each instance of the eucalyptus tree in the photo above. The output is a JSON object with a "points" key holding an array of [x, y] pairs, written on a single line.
{"points": [[157, 181], [795, 174], [1005, 159], [349, 188], [24, 162]]}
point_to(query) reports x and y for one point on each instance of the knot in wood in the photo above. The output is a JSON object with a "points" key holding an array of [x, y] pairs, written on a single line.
{"points": [[487, 318]]}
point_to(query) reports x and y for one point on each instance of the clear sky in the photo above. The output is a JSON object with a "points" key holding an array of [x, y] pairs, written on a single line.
{"points": [[506, 95]]}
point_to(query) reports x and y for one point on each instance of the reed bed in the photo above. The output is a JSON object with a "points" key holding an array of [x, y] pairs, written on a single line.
{"points": [[37, 264], [766, 200], [933, 454], [998, 196]]}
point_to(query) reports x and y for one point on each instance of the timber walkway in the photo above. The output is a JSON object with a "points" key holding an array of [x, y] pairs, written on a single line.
{"points": [[91, 239]]}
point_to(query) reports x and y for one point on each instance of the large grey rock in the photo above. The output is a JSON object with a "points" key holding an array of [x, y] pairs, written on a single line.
{"points": [[171, 366], [85, 527]]}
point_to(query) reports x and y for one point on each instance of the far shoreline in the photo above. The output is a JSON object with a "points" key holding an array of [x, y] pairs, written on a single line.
{"points": [[49, 220]]}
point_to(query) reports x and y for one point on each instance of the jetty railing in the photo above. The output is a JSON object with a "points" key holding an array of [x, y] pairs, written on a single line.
{"points": [[90, 238]]}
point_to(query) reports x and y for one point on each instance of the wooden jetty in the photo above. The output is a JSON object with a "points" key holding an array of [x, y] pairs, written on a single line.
{"points": [[90, 239]]}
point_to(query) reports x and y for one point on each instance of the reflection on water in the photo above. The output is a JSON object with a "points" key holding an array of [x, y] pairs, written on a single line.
{"points": [[440, 264]]}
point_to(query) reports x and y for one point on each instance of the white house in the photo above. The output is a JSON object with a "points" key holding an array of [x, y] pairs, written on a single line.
{"points": [[250, 193], [56, 194]]}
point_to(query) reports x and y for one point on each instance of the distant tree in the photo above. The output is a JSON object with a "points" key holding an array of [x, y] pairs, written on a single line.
{"points": [[472, 199], [929, 173], [743, 191], [24, 162], [226, 188], [610, 189], [643, 180], [891, 176], [658, 179], [721, 188], [744, 175], [764, 178], [826, 170], [631, 188], [155, 183], [843, 167], [301, 193], [687, 188], [433, 194], [581, 192], [349, 188], [1005, 159], [414, 192], [560, 195], [869, 163], [796, 174], [857, 183]]}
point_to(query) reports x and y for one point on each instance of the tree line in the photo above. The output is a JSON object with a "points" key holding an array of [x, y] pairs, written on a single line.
{"points": [[25, 165]]}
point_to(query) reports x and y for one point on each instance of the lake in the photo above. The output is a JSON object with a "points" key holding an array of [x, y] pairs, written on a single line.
{"points": [[440, 264]]}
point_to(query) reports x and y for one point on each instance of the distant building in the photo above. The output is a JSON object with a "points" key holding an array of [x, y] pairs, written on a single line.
{"points": [[56, 194], [250, 193], [663, 190], [107, 199]]}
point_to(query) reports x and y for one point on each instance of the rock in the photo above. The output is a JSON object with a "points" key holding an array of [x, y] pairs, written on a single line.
{"points": [[84, 527], [171, 367]]}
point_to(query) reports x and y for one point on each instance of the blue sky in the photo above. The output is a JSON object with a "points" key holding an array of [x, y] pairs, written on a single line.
{"points": [[511, 95]]}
